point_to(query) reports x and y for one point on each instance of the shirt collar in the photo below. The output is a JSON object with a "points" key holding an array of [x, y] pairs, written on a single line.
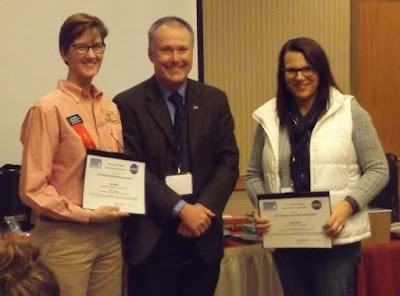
{"points": [[167, 92], [77, 92]]}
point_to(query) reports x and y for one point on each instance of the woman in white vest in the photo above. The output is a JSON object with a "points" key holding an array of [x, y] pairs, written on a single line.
{"points": [[311, 137]]}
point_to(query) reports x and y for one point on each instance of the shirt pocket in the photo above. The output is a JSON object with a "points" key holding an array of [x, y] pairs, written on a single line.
{"points": [[116, 134], [111, 132]]}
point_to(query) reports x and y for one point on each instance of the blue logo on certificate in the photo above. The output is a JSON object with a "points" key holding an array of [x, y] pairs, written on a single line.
{"points": [[316, 204], [134, 168], [95, 163], [270, 206]]}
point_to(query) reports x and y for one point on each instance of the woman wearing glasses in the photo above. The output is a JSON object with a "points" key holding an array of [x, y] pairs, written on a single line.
{"points": [[311, 137], [81, 246]]}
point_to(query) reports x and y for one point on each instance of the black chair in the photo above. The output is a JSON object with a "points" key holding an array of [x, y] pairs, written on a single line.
{"points": [[11, 206], [388, 197]]}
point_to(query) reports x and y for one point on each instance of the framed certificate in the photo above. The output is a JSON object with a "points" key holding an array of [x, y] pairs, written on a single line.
{"points": [[296, 219], [115, 180]]}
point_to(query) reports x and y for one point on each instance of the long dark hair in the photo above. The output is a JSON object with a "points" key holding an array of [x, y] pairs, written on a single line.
{"points": [[316, 57]]}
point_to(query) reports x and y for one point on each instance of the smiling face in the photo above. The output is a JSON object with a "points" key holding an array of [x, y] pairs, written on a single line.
{"points": [[304, 89], [171, 53], [83, 67]]}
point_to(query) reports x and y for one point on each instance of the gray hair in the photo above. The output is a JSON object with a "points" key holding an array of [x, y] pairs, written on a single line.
{"points": [[172, 21]]}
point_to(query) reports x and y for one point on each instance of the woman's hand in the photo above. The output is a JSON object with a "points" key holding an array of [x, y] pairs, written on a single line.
{"points": [[106, 214], [262, 225], [336, 222]]}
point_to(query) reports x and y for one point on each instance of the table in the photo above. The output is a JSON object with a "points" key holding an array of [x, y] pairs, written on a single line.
{"points": [[248, 270], [379, 270]]}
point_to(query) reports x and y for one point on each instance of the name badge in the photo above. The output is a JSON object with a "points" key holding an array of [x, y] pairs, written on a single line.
{"points": [[181, 184], [77, 124]]}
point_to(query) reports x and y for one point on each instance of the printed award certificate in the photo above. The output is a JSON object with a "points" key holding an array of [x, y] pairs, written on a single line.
{"points": [[296, 219], [114, 180]]}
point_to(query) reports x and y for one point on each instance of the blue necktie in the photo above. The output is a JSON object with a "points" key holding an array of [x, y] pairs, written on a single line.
{"points": [[181, 132]]}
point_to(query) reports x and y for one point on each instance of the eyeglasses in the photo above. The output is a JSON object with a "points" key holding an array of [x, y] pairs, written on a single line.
{"points": [[82, 48], [307, 72]]}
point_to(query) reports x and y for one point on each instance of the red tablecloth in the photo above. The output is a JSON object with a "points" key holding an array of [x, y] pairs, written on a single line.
{"points": [[379, 270]]}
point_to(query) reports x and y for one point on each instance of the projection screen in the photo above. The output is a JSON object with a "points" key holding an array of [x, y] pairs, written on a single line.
{"points": [[31, 64]]}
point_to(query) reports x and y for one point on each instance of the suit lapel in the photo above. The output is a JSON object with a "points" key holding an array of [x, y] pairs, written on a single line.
{"points": [[157, 108], [195, 105]]}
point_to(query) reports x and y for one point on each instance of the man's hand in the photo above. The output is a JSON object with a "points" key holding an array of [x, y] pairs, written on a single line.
{"points": [[105, 214], [184, 230], [195, 220]]}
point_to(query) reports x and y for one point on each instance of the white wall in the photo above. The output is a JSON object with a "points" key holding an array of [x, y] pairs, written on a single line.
{"points": [[30, 64]]}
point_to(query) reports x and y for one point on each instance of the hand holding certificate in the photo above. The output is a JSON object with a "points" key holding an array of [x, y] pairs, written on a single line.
{"points": [[296, 219], [112, 179]]}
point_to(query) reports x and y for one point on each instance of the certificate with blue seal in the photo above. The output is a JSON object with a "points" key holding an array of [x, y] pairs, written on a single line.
{"points": [[113, 179], [296, 219]]}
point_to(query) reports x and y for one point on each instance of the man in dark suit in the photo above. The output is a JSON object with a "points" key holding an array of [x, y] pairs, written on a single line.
{"points": [[191, 160]]}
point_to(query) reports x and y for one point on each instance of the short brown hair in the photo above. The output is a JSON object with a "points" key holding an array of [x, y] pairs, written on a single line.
{"points": [[75, 25], [22, 273]]}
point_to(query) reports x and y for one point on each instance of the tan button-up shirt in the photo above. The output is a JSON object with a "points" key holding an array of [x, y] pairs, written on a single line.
{"points": [[52, 172]]}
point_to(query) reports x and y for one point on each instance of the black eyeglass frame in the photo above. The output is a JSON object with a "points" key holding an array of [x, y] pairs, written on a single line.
{"points": [[306, 71], [82, 48]]}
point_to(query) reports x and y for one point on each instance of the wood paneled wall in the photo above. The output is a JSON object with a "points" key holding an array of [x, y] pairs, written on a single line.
{"points": [[376, 65], [242, 40]]}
